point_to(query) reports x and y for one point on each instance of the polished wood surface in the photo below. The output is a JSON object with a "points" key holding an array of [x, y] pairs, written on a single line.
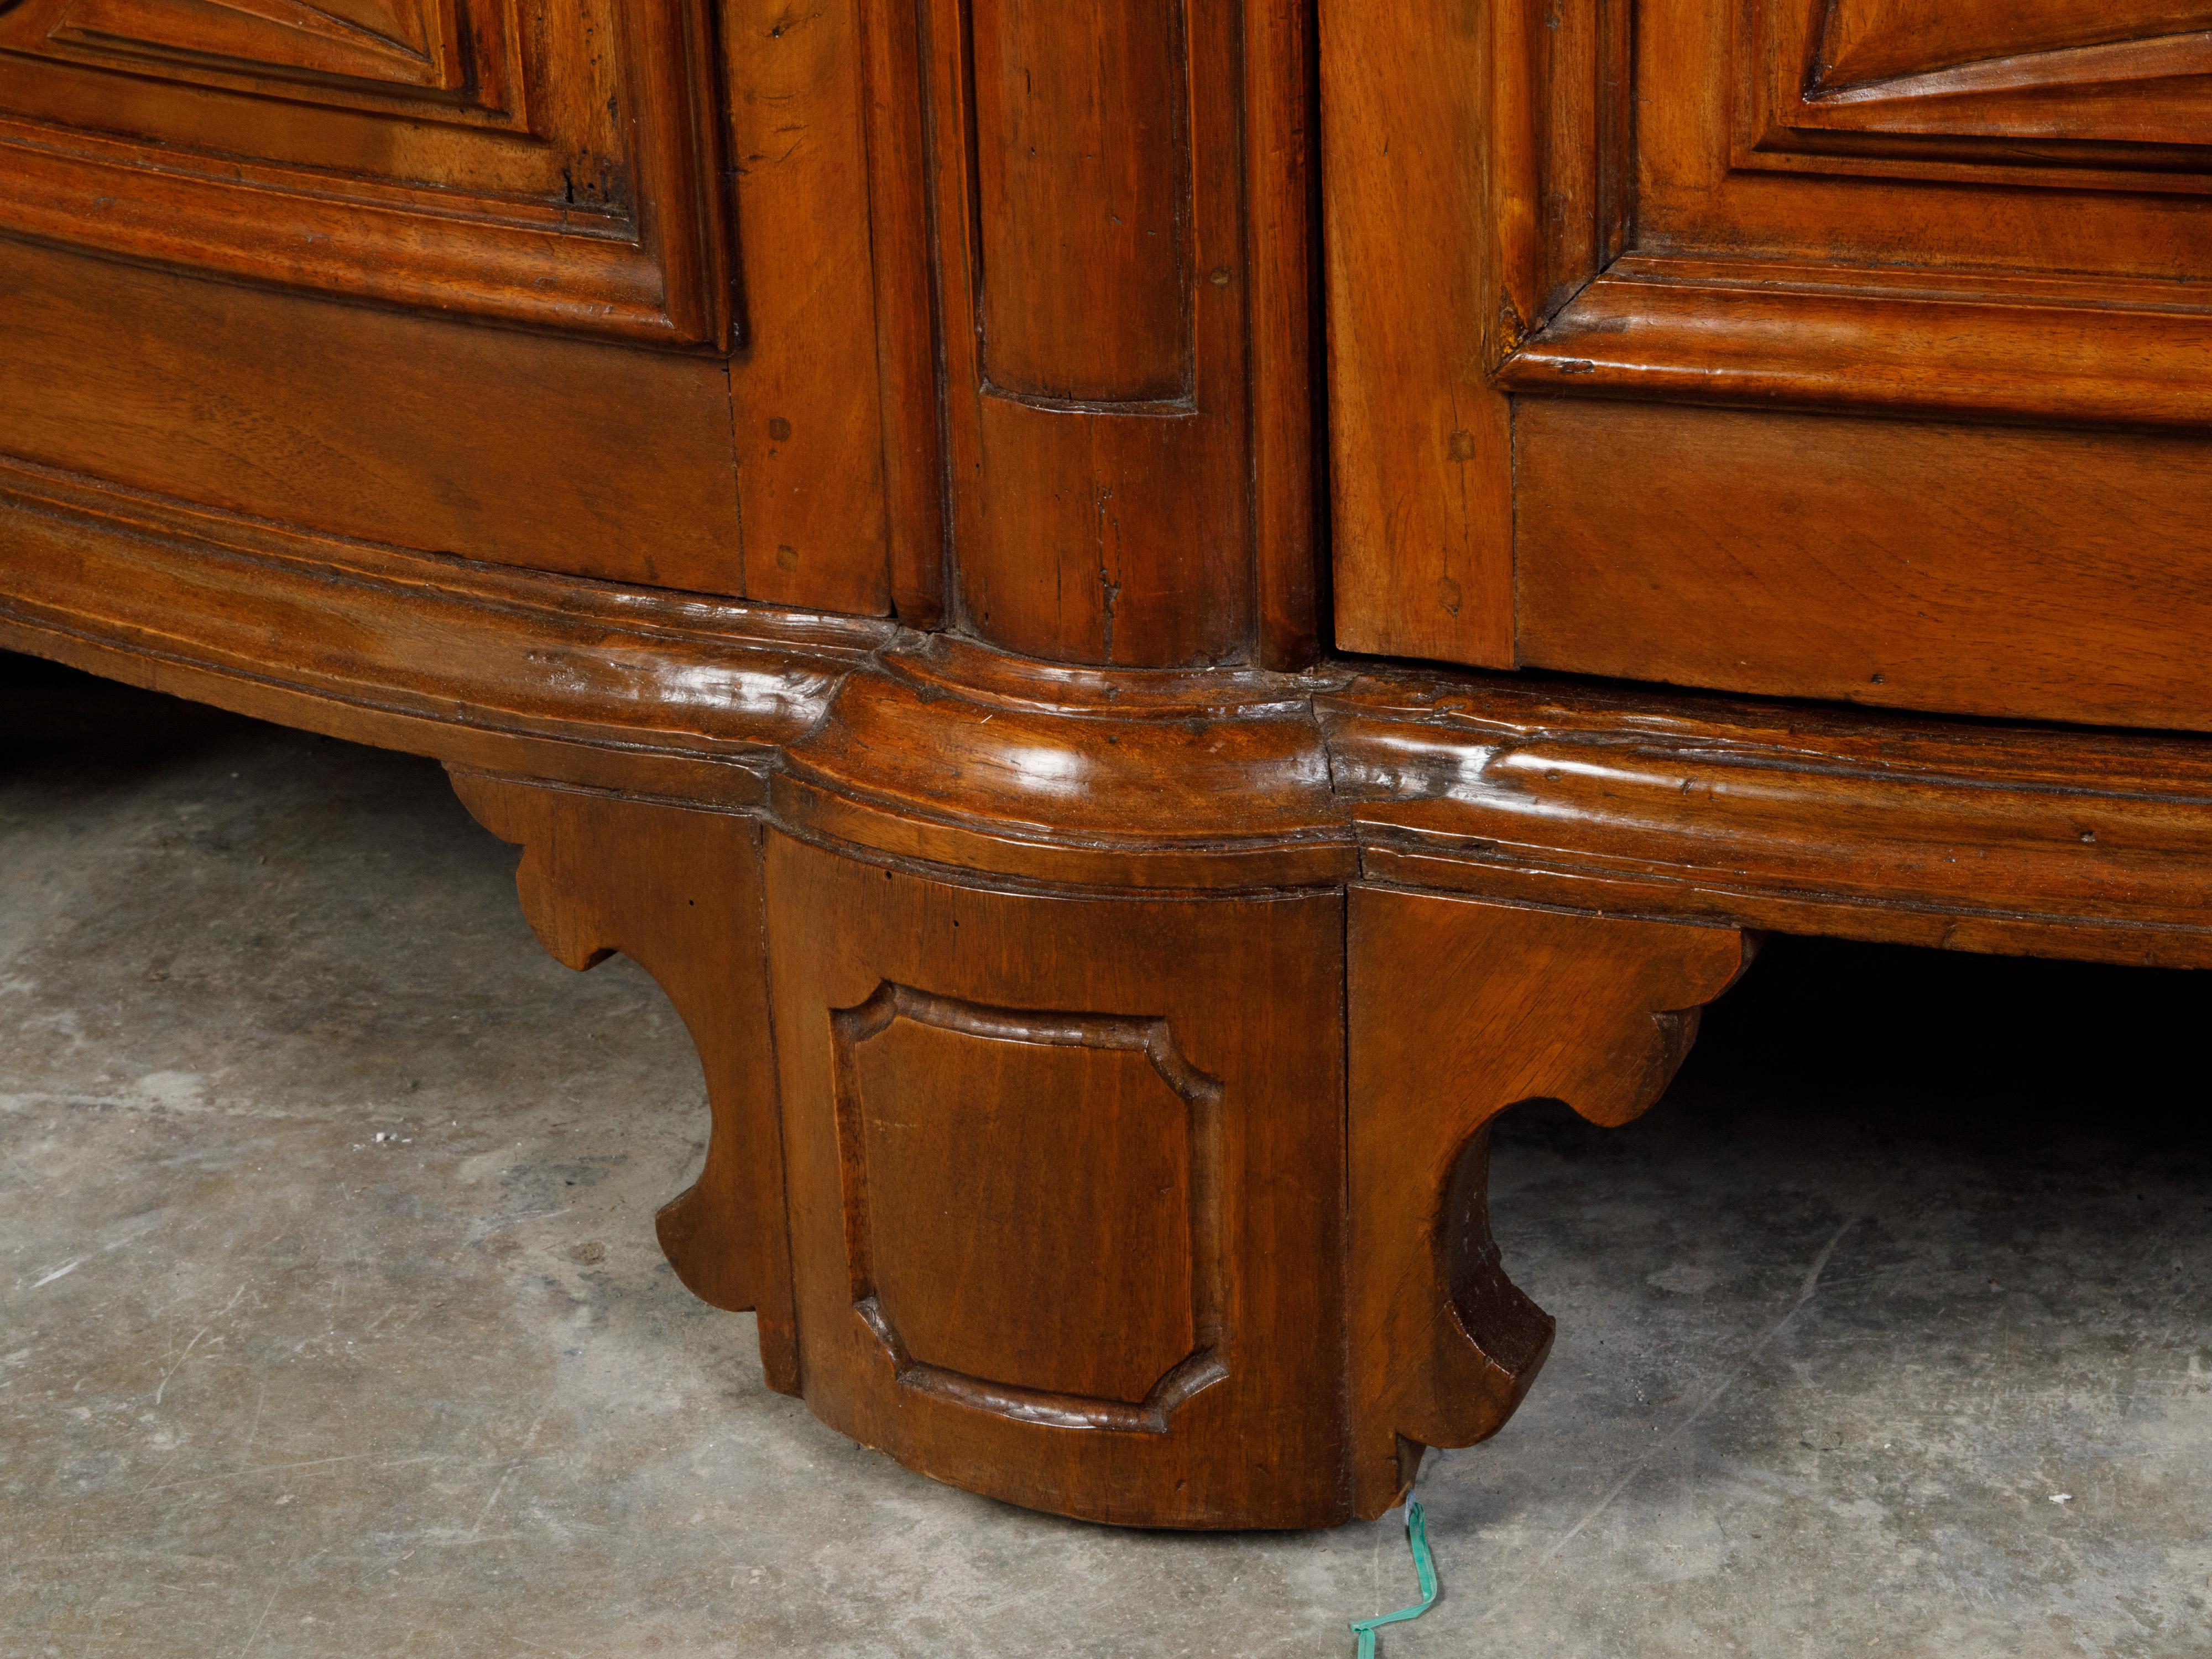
{"points": [[422, 432], [1769, 334], [690, 408], [1064, 1218], [1084, 307], [1160, 514], [678, 891], [1962, 836], [1423, 515], [841, 490], [1984, 225], [814, 437], [1855, 824], [975, 985], [2003, 571], [1458, 1010], [545, 165]]}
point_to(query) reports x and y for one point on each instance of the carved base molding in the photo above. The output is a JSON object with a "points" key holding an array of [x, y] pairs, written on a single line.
{"points": [[1102, 1063]]}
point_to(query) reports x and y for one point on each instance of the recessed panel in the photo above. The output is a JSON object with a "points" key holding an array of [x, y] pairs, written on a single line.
{"points": [[1057, 1188], [1867, 40], [390, 43], [1694, 244], [1033, 1200], [547, 165], [2123, 86], [1104, 289], [1082, 169]]}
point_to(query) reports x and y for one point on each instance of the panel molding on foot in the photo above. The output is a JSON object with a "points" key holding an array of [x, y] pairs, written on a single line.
{"points": [[1082, 1134], [1066, 1211]]}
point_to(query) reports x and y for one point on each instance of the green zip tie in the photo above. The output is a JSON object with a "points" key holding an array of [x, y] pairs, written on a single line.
{"points": [[1417, 1535]]}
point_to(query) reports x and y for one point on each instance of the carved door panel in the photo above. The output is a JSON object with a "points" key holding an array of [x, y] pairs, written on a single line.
{"points": [[1845, 347], [494, 157], [457, 276]]}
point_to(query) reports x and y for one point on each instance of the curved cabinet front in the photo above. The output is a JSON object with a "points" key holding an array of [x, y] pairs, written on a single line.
{"points": [[1855, 350], [896, 625]]}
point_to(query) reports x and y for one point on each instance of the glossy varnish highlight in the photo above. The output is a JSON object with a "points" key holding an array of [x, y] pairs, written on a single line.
{"points": [[838, 490]]}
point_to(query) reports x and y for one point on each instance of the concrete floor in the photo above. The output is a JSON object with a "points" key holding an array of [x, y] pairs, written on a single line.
{"points": [[331, 1321]]}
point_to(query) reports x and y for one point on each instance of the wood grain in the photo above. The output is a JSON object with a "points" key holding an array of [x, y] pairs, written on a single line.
{"points": [[905, 309], [562, 175], [1082, 531], [938, 1097], [1072, 785], [1855, 823], [554, 454], [497, 669], [1104, 1001], [1083, 204], [1007, 1383], [2052, 79], [804, 396], [1967, 837], [1971, 570], [400, 43], [2080, 170], [1420, 445], [1114, 519], [1060, 1070], [1457, 1011], [1885, 39], [1290, 472], [1764, 334], [1750, 241], [678, 891]]}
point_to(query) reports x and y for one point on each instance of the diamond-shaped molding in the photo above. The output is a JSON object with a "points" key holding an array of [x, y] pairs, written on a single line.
{"points": [[2044, 90], [441, 156], [1872, 40], [395, 43]]}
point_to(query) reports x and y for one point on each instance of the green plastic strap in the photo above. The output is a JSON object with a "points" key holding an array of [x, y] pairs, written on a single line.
{"points": [[1417, 1536]]}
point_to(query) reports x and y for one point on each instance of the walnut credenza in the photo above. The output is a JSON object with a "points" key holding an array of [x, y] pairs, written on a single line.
{"points": [[923, 519]]}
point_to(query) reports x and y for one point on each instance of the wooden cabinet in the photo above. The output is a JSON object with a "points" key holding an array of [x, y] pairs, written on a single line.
{"points": [[547, 165], [1853, 350], [458, 278], [1122, 259], [990, 547]]}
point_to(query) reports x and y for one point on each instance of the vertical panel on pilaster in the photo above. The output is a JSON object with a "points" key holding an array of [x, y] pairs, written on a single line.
{"points": [[1083, 198], [1093, 206]]}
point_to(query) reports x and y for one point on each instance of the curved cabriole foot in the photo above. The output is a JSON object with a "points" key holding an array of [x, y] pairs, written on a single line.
{"points": [[1460, 1009], [678, 891]]}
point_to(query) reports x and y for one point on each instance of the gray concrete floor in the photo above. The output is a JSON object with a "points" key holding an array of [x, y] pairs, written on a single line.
{"points": [[331, 1321]]}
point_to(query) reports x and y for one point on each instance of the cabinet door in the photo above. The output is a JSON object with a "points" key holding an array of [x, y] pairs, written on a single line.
{"points": [[478, 156], [456, 276], [1852, 348]]}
